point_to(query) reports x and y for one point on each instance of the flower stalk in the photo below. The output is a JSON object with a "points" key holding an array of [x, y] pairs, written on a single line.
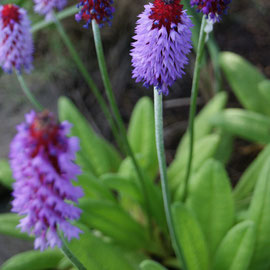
{"points": [[27, 92], [163, 175], [194, 95], [115, 110]]}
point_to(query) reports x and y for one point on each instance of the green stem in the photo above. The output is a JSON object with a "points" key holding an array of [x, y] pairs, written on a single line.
{"points": [[76, 58], [71, 256], [115, 110], [163, 175], [194, 95], [28, 93]]}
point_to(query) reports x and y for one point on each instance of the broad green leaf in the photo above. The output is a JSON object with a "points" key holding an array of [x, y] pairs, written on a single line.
{"points": [[95, 254], [141, 135], [96, 154], [264, 90], [244, 79], [93, 187], [259, 213], [153, 191], [245, 124], [123, 186], [248, 180], [5, 174], [210, 198], [204, 149], [236, 249], [8, 226], [114, 222], [151, 265], [202, 124], [33, 260], [191, 238]]}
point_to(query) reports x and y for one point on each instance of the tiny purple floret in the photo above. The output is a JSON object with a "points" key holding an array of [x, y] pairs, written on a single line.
{"points": [[42, 160]]}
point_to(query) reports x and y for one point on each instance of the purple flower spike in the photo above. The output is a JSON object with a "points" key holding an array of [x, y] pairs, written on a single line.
{"points": [[162, 42], [42, 160], [16, 44], [46, 7], [213, 9]]}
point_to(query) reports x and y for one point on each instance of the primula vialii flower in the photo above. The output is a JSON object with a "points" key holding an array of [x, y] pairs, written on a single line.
{"points": [[99, 10], [42, 161], [46, 7], [213, 9], [162, 42], [16, 44]]}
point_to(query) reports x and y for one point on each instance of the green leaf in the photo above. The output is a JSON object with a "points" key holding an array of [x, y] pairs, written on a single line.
{"points": [[245, 124], [95, 254], [123, 186], [204, 149], [225, 148], [248, 180], [191, 238], [210, 198], [34, 260], [264, 90], [94, 188], [202, 124], [141, 135], [8, 226], [114, 222], [151, 265], [259, 213], [236, 249], [244, 79], [5, 174], [96, 154]]}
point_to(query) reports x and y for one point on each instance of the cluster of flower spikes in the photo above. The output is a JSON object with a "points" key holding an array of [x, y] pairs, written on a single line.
{"points": [[99, 10], [42, 161], [16, 44], [162, 42], [213, 9], [46, 7]]}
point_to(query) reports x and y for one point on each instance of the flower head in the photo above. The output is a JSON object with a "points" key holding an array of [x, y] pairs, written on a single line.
{"points": [[16, 44], [214, 9], [162, 42], [99, 10], [42, 161], [46, 7]]}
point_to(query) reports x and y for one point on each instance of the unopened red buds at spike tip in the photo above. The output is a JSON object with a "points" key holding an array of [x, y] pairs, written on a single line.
{"points": [[42, 161], [162, 43], [99, 10], [16, 44]]}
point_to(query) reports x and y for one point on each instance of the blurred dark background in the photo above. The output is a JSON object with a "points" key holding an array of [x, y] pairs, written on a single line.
{"points": [[245, 30]]}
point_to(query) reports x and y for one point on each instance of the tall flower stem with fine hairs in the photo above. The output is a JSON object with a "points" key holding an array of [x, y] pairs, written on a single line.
{"points": [[76, 58], [111, 98], [194, 95], [28, 93], [163, 174]]}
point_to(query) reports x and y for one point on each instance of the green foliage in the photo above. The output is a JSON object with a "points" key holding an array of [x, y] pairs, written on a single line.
{"points": [[141, 134], [245, 186], [244, 79], [5, 174], [95, 254], [151, 265], [191, 238], [96, 154], [259, 213], [114, 222], [8, 226], [34, 260], [235, 251], [245, 124], [210, 198]]}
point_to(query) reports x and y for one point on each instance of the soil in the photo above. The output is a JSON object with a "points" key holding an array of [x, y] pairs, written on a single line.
{"points": [[244, 31]]}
